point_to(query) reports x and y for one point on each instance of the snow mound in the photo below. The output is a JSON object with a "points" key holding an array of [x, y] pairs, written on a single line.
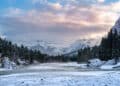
{"points": [[93, 63], [110, 66], [21, 62], [110, 62]]}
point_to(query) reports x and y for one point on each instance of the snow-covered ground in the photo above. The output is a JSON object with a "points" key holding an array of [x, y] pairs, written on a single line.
{"points": [[59, 74]]}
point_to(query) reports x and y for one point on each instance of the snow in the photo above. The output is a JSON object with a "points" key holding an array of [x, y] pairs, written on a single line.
{"points": [[52, 49], [83, 65], [40, 67], [95, 63], [56, 66], [110, 62], [68, 77], [21, 62], [4, 69], [117, 65], [62, 79], [106, 67], [110, 66], [116, 26], [7, 64]]}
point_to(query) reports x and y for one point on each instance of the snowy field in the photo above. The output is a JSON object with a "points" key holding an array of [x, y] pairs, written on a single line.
{"points": [[58, 74]]}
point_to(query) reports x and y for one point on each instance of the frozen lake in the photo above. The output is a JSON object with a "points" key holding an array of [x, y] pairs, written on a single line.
{"points": [[59, 74]]}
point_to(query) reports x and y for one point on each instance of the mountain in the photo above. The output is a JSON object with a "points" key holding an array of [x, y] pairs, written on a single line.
{"points": [[51, 49], [116, 26], [110, 45], [47, 48]]}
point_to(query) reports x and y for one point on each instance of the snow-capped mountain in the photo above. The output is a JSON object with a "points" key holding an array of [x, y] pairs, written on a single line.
{"points": [[80, 44], [116, 26], [51, 49], [47, 48]]}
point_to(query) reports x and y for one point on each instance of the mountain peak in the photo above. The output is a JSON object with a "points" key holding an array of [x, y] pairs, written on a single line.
{"points": [[117, 26]]}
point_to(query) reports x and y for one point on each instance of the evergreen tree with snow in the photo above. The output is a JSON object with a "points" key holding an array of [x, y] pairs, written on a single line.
{"points": [[110, 46], [14, 52]]}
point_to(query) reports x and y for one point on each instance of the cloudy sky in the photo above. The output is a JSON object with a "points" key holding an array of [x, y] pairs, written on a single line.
{"points": [[59, 21]]}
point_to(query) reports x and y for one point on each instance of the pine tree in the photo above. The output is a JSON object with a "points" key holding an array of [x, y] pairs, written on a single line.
{"points": [[15, 52], [110, 46]]}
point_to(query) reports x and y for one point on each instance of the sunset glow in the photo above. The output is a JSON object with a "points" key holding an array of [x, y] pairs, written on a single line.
{"points": [[51, 20]]}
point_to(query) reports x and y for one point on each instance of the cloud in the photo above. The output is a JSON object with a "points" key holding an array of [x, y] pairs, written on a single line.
{"points": [[101, 1], [58, 21], [13, 12], [56, 6]]}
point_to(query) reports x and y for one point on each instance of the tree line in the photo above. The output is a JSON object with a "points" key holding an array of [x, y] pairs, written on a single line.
{"points": [[109, 48], [14, 52]]}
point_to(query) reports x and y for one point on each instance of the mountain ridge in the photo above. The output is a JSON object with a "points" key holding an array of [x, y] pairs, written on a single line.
{"points": [[116, 26], [49, 49]]}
